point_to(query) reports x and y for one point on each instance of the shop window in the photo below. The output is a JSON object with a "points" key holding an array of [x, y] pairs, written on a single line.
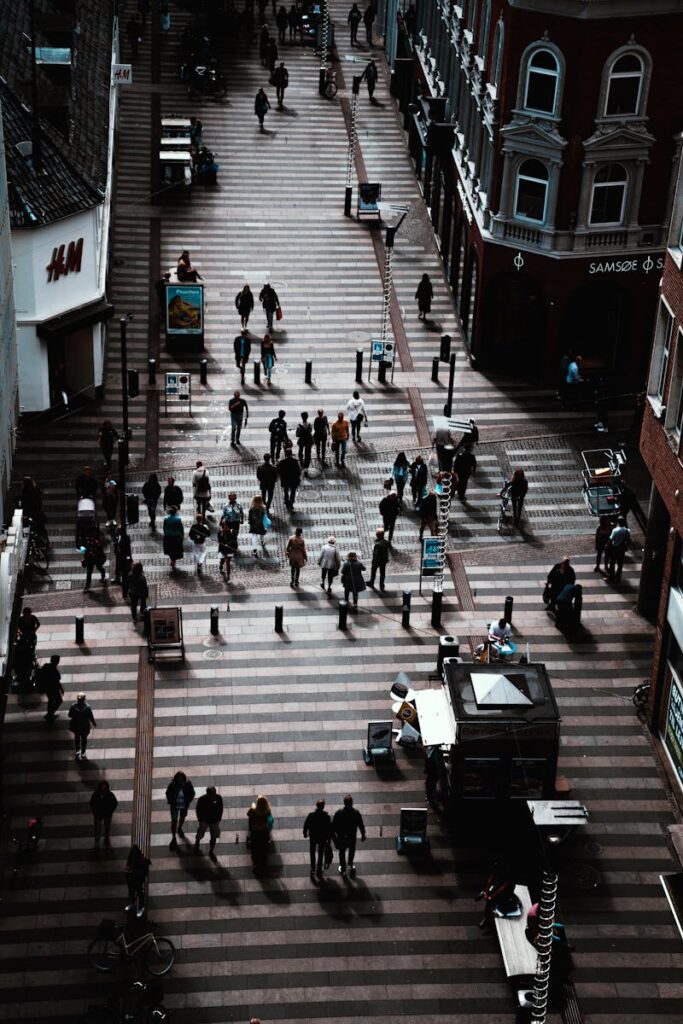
{"points": [[625, 86], [498, 40], [608, 199], [531, 191], [541, 86], [480, 778], [661, 351], [527, 777], [672, 733]]}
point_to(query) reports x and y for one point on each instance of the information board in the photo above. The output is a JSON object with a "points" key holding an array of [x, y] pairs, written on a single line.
{"points": [[673, 733], [164, 626], [431, 556]]}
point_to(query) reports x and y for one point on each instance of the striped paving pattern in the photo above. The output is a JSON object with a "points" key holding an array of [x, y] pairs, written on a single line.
{"points": [[401, 942]]}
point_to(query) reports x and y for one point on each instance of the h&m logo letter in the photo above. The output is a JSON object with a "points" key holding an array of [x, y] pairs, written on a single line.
{"points": [[59, 266]]}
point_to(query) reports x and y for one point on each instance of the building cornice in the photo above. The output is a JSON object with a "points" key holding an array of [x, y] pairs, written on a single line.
{"points": [[593, 9]]}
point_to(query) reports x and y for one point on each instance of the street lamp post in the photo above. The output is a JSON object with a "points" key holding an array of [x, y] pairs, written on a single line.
{"points": [[352, 143], [323, 48], [387, 280]]}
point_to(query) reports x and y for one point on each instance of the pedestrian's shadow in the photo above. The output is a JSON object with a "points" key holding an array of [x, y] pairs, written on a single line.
{"points": [[203, 869], [288, 111]]}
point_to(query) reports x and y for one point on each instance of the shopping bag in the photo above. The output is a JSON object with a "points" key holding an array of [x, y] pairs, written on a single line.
{"points": [[278, 314]]}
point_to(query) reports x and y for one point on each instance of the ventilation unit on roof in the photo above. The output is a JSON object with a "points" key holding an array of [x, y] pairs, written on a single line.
{"points": [[25, 148]]}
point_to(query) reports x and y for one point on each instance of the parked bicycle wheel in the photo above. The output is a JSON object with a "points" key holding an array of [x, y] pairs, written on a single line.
{"points": [[104, 954], [160, 957], [38, 553]]}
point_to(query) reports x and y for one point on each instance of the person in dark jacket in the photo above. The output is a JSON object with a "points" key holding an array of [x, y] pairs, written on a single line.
{"points": [[107, 439], [242, 347], [110, 502], [281, 20], [278, 434], [280, 81], [151, 492], [418, 479], [429, 514], [304, 440], [49, 682], [293, 20], [321, 433], [174, 533], [209, 814], [81, 720], [137, 870], [318, 831], [271, 55], [93, 558], [179, 796], [263, 38], [602, 536], [424, 296], [371, 79], [31, 499], [86, 485], [628, 502], [244, 302], [517, 486], [138, 590], [270, 302], [369, 16], [173, 495], [352, 577], [261, 108], [560, 576], [388, 509], [380, 558], [268, 357], [103, 803], [266, 474], [400, 472], [464, 466], [289, 471], [354, 20], [346, 825]]}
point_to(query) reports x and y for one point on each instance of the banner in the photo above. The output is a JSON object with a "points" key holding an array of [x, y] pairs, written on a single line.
{"points": [[184, 309]]}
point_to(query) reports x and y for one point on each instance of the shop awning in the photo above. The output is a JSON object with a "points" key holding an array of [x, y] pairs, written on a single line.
{"points": [[83, 316]]}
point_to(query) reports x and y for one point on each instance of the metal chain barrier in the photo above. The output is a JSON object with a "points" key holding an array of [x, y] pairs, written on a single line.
{"points": [[544, 945]]}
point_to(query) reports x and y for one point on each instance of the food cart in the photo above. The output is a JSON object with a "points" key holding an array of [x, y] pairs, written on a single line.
{"points": [[177, 128], [601, 480], [175, 173]]}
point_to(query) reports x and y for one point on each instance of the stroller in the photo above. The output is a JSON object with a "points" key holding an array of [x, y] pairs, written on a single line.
{"points": [[505, 520], [86, 521]]}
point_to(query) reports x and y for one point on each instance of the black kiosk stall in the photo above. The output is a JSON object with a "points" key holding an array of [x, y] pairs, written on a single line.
{"points": [[498, 729]]}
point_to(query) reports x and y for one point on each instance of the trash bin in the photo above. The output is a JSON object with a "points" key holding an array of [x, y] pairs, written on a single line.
{"points": [[449, 646]]}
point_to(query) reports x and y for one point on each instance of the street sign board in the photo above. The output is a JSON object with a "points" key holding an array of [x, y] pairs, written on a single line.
{"points": [[178, 389], [382, 352], [431, 556], [122, 74]]}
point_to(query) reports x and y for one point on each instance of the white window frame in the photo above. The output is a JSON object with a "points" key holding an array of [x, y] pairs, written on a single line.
{"points": [[556, 74], [540, 181], [661, 353], [497, 56], [604, 185], [677, 425], [612, 74], [646, 65]]}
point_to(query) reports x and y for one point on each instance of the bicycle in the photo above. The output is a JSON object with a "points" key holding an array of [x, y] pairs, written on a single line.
{"points": [[38, 550], [109, 950], [640, 698], [139, 1004], [330, 86]]}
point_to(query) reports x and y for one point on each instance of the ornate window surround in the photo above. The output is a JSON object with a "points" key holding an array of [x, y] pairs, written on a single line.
{"points": [[532, 48], [622, 51]]}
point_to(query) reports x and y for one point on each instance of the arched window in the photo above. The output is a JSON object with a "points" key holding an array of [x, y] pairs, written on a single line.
{"points": [[609, 195], [484, 30], [625, 86], [472, 15], [541, 86], [497, 64], [531, 191]]}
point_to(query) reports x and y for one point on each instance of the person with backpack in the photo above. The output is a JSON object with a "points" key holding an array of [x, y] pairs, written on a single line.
{"points": [[198, 533], [179, 796], [242, 347], [278, 434], [81, 720], [201, 489], [244, 303], [318, 831], [321, 432], [304, 438], [48, 681]]}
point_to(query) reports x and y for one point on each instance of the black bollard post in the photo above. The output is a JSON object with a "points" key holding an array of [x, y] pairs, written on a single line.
{"points": [[507, 612], [80, 629], [203, 370], [214, 620], [445, 353], [437, 601], [359, 366], [279, 616], [435, 370], [448, 407], [308, 372], [449, 647], [382, 371], [405, 608], [152, 371], [343, 607], [257, 373]]}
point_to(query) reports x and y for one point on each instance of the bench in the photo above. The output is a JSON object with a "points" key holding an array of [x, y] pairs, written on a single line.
{"points": [[519, 956]]}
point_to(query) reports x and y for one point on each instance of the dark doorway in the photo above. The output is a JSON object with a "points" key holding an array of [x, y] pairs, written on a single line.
{"points": [[595, 324], [514, 325]]}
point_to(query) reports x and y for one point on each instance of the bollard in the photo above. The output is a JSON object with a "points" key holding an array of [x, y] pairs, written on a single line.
{"points": [[359, 366], [214, 620], [405, 608], [80, 629], [437, 601], [382, 371], [279, 616], [445, 353], [507, 611], [308, 372], [347, 201], [449, 647], [448, 407], [203, 370], [435, 370], [152, 371], [343, 607], [257, 372]]}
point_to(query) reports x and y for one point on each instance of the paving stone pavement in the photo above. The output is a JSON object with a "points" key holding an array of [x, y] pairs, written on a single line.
{"points": [[286, 714]]}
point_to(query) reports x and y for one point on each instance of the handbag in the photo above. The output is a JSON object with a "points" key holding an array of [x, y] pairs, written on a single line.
{"points": [[278, 313], [267, 521], [546, 594]]}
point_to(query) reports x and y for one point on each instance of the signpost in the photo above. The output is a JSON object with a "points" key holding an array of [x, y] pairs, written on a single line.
{"points": [[382, 352], [178, 389], [379, 743], [430, 563], [412, 829], [165, 634]]}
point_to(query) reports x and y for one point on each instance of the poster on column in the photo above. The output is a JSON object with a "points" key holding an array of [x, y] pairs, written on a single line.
{"points": [[184, 309], [431, 556]]}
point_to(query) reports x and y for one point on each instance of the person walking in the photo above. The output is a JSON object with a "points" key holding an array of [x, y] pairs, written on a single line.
{"points": [[134, 34], [48, 681], [174, 532], [388, 509], [293, 19], [244, 303], [304, 438], [297, 556], [318, 831], [329, 561], [242, 347], [321, 432], [199, 531], [464, 465], [201, 489], [400, 474], [442, 441], [346, 825], [278, 434], [619, 540], [280, 80], [179, 796], [340, 439], [239, 417], [602, 536], [93, 558], [31, 499], [371, 75], [270, 302], [354, 20], [258, 525], [355, 411], [260, 820], [352, 577], [261, 107], [424, 296], [369, 16], [227, 548], [560, 576], [209, 814], [233, 514], [81, 720], [517, 486], [380, 558], [173, 495], [107, 440], [289, 472], [268, 357], [628, 502], [281, 21], [138, 591], [103, 803], [266, 474], [151, 492], [418, 479], [429, 514], [137, 871], [110, 502], [271, 57]]}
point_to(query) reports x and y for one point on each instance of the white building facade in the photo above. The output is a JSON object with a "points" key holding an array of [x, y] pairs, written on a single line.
{"points": [[9, 405]]}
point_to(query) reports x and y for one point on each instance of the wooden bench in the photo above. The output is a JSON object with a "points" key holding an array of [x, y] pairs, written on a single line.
{"points": [[519, 956]]}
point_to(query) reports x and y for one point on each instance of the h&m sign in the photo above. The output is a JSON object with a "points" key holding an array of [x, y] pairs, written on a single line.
{"points": [[65, 260]]}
